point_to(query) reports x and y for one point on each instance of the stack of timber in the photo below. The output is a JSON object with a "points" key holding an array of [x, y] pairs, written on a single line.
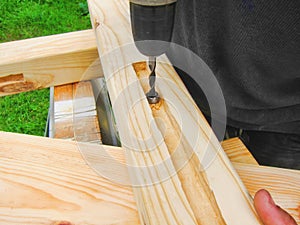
{"points": [[75, 115]]}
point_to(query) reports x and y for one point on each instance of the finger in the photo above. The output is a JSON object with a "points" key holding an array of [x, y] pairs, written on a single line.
{"points": [[269, 212]]}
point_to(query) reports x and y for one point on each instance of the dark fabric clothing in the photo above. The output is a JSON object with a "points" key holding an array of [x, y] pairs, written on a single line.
{"points": [[274, 149], [253, 49]]}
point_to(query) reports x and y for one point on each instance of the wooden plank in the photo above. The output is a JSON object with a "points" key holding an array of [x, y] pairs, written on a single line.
{"points": [[48, 61], [166, 201], [46, 181], [283, 184], [231, 145], [75, 115], [147, 151]]}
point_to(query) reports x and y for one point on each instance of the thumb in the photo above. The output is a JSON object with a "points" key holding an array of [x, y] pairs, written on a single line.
{"points": [[269, 212]]}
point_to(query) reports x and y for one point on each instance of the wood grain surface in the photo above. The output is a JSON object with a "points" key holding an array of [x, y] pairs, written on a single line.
{"points": [[165, 202], [157, 188], [47, 181], [191, 175], [283, 184], [48, 61], [243, 155]]}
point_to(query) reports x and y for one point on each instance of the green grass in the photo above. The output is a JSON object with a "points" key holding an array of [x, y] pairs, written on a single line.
{"points": [[20, 19], [25, 113]]}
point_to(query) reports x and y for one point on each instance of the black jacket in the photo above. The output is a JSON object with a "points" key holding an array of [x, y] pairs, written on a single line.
{"points": [[253, 49]]}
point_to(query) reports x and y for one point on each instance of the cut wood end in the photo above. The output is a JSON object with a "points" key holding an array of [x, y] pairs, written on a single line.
{"points": [[16, 87], [12, 77], [16, 83]]}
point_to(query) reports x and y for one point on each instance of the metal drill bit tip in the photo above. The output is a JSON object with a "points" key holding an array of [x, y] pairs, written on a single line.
{"points": [[152, 95], [153, 99]]}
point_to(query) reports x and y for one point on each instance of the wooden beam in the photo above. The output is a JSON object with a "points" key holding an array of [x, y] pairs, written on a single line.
{"points": [[242, 156], [163, 195], [160, 197], [48, 61], [47, 181], [283, 184]]}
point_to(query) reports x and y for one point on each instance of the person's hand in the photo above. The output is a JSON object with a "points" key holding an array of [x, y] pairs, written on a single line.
{"points": [[269, 212]]}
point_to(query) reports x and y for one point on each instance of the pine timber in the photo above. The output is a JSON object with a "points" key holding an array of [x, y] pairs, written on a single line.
{"points": [[46, 181], [75, 115], [164, 202], [48, 61], [281, 183], [241, 156], [167, 201], [181, 151]]}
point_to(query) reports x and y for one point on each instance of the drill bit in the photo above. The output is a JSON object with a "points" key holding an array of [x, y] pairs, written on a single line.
{"points": [[152, 95]]}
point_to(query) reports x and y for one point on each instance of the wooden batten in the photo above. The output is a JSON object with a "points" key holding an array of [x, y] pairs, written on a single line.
{"points": [[41, 62], [159, 190]]}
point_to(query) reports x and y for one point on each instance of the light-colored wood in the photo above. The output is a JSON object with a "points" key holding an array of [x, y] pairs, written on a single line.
{"points": [[163, 199], [46, 181], [75, 115], [48, 61], [63, 108], [181, 153], [231, 145], [158, 191], [283, 184]]}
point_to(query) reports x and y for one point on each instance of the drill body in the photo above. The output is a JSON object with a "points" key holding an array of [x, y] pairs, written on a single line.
{"points": [[152, 20], [152, 24]]}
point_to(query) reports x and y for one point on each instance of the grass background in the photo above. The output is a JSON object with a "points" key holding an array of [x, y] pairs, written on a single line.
{"points": [[21, 19]]}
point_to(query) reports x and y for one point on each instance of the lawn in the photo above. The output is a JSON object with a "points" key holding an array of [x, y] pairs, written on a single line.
{"points": [[20, 19]]}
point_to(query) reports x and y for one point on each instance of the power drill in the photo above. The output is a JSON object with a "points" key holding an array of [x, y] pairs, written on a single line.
{"points": [[152, 24]]}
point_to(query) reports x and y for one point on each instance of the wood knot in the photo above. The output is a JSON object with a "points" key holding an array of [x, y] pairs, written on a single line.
{"points": [[96, 23]]}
